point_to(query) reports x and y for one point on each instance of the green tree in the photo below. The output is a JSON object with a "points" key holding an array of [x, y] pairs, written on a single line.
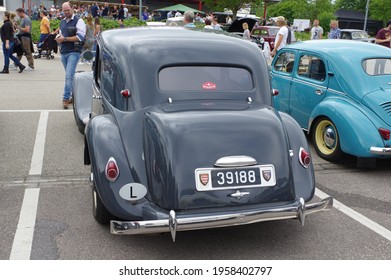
{"points": [[220, 5], [317, 7], [290, 9], [380, 10], [358, 5]]}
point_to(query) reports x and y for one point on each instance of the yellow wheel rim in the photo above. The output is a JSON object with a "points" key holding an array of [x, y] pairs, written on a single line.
{"points": [[326, 137]]}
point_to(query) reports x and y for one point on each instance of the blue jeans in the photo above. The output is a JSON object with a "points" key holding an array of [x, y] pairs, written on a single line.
{"points": [[69, 60], [8, 55], [42, 38]]}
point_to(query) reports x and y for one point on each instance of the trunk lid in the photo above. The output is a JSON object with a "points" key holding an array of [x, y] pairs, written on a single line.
{"points": [[178, 141]]}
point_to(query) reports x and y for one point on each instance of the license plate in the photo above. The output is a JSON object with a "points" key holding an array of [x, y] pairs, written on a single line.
{"points": [[235, 178]]}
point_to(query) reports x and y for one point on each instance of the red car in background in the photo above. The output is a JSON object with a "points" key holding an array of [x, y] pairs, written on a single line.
{"points": [[263, 34]]}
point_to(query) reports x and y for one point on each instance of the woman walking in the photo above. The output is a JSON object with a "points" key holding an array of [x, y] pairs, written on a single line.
{"points": [[7, 37]]}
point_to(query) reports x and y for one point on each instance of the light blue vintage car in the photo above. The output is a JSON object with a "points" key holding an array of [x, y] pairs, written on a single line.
{"points": [[338, 91]]}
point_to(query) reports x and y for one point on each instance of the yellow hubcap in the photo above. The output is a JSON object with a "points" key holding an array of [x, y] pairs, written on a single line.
{"points": [[326, 137]]}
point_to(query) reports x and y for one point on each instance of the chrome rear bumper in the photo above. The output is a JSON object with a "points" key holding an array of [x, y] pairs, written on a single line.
{"points": [[177, 223], [380, 151]]}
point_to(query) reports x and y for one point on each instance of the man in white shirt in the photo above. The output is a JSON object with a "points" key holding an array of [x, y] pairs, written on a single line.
{"points": [[282, 35], [316, 31]]}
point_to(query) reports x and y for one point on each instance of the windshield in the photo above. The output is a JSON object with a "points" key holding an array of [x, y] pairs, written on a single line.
{"points": [[359, 35], [377, 66], [205, 78]]}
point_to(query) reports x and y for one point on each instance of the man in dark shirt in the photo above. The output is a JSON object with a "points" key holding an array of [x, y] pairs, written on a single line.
{"points": [[105, 11], [94, 10], [383, 36]]}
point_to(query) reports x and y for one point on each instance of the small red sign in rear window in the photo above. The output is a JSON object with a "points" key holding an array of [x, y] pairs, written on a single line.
{"points": [[209, 86]]}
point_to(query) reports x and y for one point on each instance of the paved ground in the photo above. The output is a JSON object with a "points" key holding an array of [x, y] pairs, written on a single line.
{"points": [[42, 160]]}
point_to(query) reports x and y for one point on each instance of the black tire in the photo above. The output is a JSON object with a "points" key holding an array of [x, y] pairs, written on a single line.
{"points": [[100, 212], [326, 140]]}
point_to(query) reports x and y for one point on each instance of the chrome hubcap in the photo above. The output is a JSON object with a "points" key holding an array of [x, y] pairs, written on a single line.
{"points": [[329, 137]]}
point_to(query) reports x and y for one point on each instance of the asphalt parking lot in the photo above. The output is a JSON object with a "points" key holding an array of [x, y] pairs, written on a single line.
{"points": [[45, 198]]}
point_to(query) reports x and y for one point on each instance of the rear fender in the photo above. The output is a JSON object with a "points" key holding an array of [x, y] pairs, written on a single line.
{"points": [[103, 141], [82, 98], [357, 133], [304, 178]]}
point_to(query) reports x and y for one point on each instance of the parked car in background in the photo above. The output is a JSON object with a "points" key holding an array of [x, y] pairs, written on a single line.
{"points": [[175, 21], [357, 35], [263, 34], [339, 91], [182, 138]]}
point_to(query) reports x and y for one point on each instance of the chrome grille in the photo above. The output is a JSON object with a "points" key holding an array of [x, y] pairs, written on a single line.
{"points": [[386, 107]]}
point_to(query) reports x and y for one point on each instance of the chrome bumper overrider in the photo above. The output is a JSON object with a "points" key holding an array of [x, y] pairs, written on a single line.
{"points": [[380, 151], [174, 223]]}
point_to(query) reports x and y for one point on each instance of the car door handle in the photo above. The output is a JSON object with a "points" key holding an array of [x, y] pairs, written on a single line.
{"points": [[97, 97], [319, 92]]}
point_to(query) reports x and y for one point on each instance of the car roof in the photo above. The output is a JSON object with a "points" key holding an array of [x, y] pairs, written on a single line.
{"points": [[336, 50]]}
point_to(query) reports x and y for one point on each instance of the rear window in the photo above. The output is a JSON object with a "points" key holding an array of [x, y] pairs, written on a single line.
{"points": [[377, 66], [205, 78]]}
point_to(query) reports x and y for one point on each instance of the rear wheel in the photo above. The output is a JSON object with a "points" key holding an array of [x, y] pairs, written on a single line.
{"points": [[100, 212], [326, 141]]}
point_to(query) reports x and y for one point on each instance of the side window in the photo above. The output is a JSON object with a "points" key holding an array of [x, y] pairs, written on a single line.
{"points": [[312, 67], [285, 62]]}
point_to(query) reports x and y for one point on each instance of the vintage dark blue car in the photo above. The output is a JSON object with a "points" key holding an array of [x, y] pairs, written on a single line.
{"points": [[182, 135]]}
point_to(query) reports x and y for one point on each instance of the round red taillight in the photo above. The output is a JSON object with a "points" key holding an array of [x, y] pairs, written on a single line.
{"points": [[304, 157], [112, 170], [275, 92], [125, 93]]}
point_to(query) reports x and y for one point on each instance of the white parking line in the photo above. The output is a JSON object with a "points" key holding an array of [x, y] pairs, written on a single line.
{"points": [[39, 146], [357, 216], [23, 240]]}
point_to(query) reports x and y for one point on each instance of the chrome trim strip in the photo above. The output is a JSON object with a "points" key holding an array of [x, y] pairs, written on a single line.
{"points": [[336, 91], [309, 83], [235, 161], [380, 151], [175, 223]]}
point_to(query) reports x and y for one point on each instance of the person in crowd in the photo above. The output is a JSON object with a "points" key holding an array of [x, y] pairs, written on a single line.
{"points": [[25, 29], [35, 12], [215, 24], [71, 35], [94, 10], [188, 19], [7, 37], [178, 14], [282, 35], [316, 31], [335, 32], [208, 24], [228, 20], [126, 12], [121, 13], [170, 14], [114, 13], [44, 29], [97, 31], [105, 11], [246, 32], [145, 14], [89, 38], [383, 36]]}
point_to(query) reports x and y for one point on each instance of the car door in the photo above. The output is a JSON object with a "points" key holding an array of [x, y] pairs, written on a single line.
{"points": [[309, 86], [282, 74]]}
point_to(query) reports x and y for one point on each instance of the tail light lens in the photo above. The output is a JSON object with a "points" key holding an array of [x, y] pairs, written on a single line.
{"points": [[385, 133], [304, 157], [112, 170], [275, 92], [125, 93]]}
